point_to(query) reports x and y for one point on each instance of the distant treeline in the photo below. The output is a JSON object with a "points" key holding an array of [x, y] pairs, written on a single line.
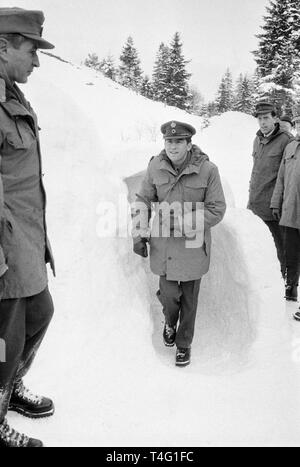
{"points": [[276, 78]]}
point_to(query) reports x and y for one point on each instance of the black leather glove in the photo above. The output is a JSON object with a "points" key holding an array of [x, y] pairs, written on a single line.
{"points": [[140, 248]]}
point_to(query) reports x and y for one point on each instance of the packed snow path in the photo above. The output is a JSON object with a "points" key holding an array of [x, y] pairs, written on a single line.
{"points": [[103, 361]]}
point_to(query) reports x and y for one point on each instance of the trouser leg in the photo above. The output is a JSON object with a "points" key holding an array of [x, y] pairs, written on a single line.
{"points": [[278, 234], [23, 324], [292, 250], [169, 295], [39, 312], [12, 333], [189, 304]]}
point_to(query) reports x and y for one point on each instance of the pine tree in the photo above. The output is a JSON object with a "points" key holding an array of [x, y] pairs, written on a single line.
{"points": [[146, 88], [205, 113], [107, 67], [130, 73], [225, 97], [257, 91], [278, 55], [196, 101], [92, 61], [237, 101], [176, 92], [160, 73], [211, 109], [243, 101]]}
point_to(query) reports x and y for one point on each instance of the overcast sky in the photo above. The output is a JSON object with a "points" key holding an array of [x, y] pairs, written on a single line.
{"points": [[216, 33]]}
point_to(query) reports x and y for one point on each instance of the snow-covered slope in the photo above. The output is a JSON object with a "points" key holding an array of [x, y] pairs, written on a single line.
{"points": [[103, 359]]}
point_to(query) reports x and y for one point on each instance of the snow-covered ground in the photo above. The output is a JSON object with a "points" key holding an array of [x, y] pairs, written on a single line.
{"points": [[103, 360]]}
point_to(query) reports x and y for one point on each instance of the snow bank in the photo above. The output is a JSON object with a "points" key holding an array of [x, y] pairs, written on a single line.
{"points": [[103, 360], [229, 142]]}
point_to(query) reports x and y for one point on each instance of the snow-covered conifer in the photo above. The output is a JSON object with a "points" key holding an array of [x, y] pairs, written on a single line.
{"points": [[130, 72]]}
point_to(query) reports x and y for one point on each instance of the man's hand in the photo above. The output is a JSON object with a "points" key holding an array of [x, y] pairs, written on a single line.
{"points": [[140, 248], [276, 214]]}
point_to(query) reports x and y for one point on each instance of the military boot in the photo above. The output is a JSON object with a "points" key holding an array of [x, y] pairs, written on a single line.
{"points": [[169, 335], [30, 405], [183, 357], [297, 315], [10, 438], [291, 293]]}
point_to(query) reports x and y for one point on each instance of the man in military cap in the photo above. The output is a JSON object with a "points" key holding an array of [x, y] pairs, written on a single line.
{"points": [[286, 209], [269, 145], [26, 306], [189, 199]]}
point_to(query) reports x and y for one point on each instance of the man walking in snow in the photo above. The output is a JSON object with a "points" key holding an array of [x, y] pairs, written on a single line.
{"points": [[26, 306], [189, 199], [286, 209], [268, 149]]}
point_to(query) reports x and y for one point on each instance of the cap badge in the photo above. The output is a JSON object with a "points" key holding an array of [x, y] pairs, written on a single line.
{"points": [[173, 125]]}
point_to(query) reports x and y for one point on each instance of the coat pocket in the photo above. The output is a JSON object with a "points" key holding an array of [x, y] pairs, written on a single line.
{"points": [[21, 136], [194, 190], [15, 142]]}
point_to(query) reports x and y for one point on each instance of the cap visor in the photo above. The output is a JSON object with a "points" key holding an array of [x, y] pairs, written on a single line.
{"points": [[265, 112], [41, 43], [178, 137]]}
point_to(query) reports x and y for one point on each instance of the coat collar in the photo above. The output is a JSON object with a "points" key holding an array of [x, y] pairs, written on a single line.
{"points": [[15, 109], [267, 139], [13, 100]]}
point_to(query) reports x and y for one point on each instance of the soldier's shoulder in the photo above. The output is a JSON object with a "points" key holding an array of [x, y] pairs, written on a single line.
{"points": [[210, 163], [200, 158], [291, 147], [208, 170], [155, 161], [293, 142], [210, 166], [287, 136]]}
